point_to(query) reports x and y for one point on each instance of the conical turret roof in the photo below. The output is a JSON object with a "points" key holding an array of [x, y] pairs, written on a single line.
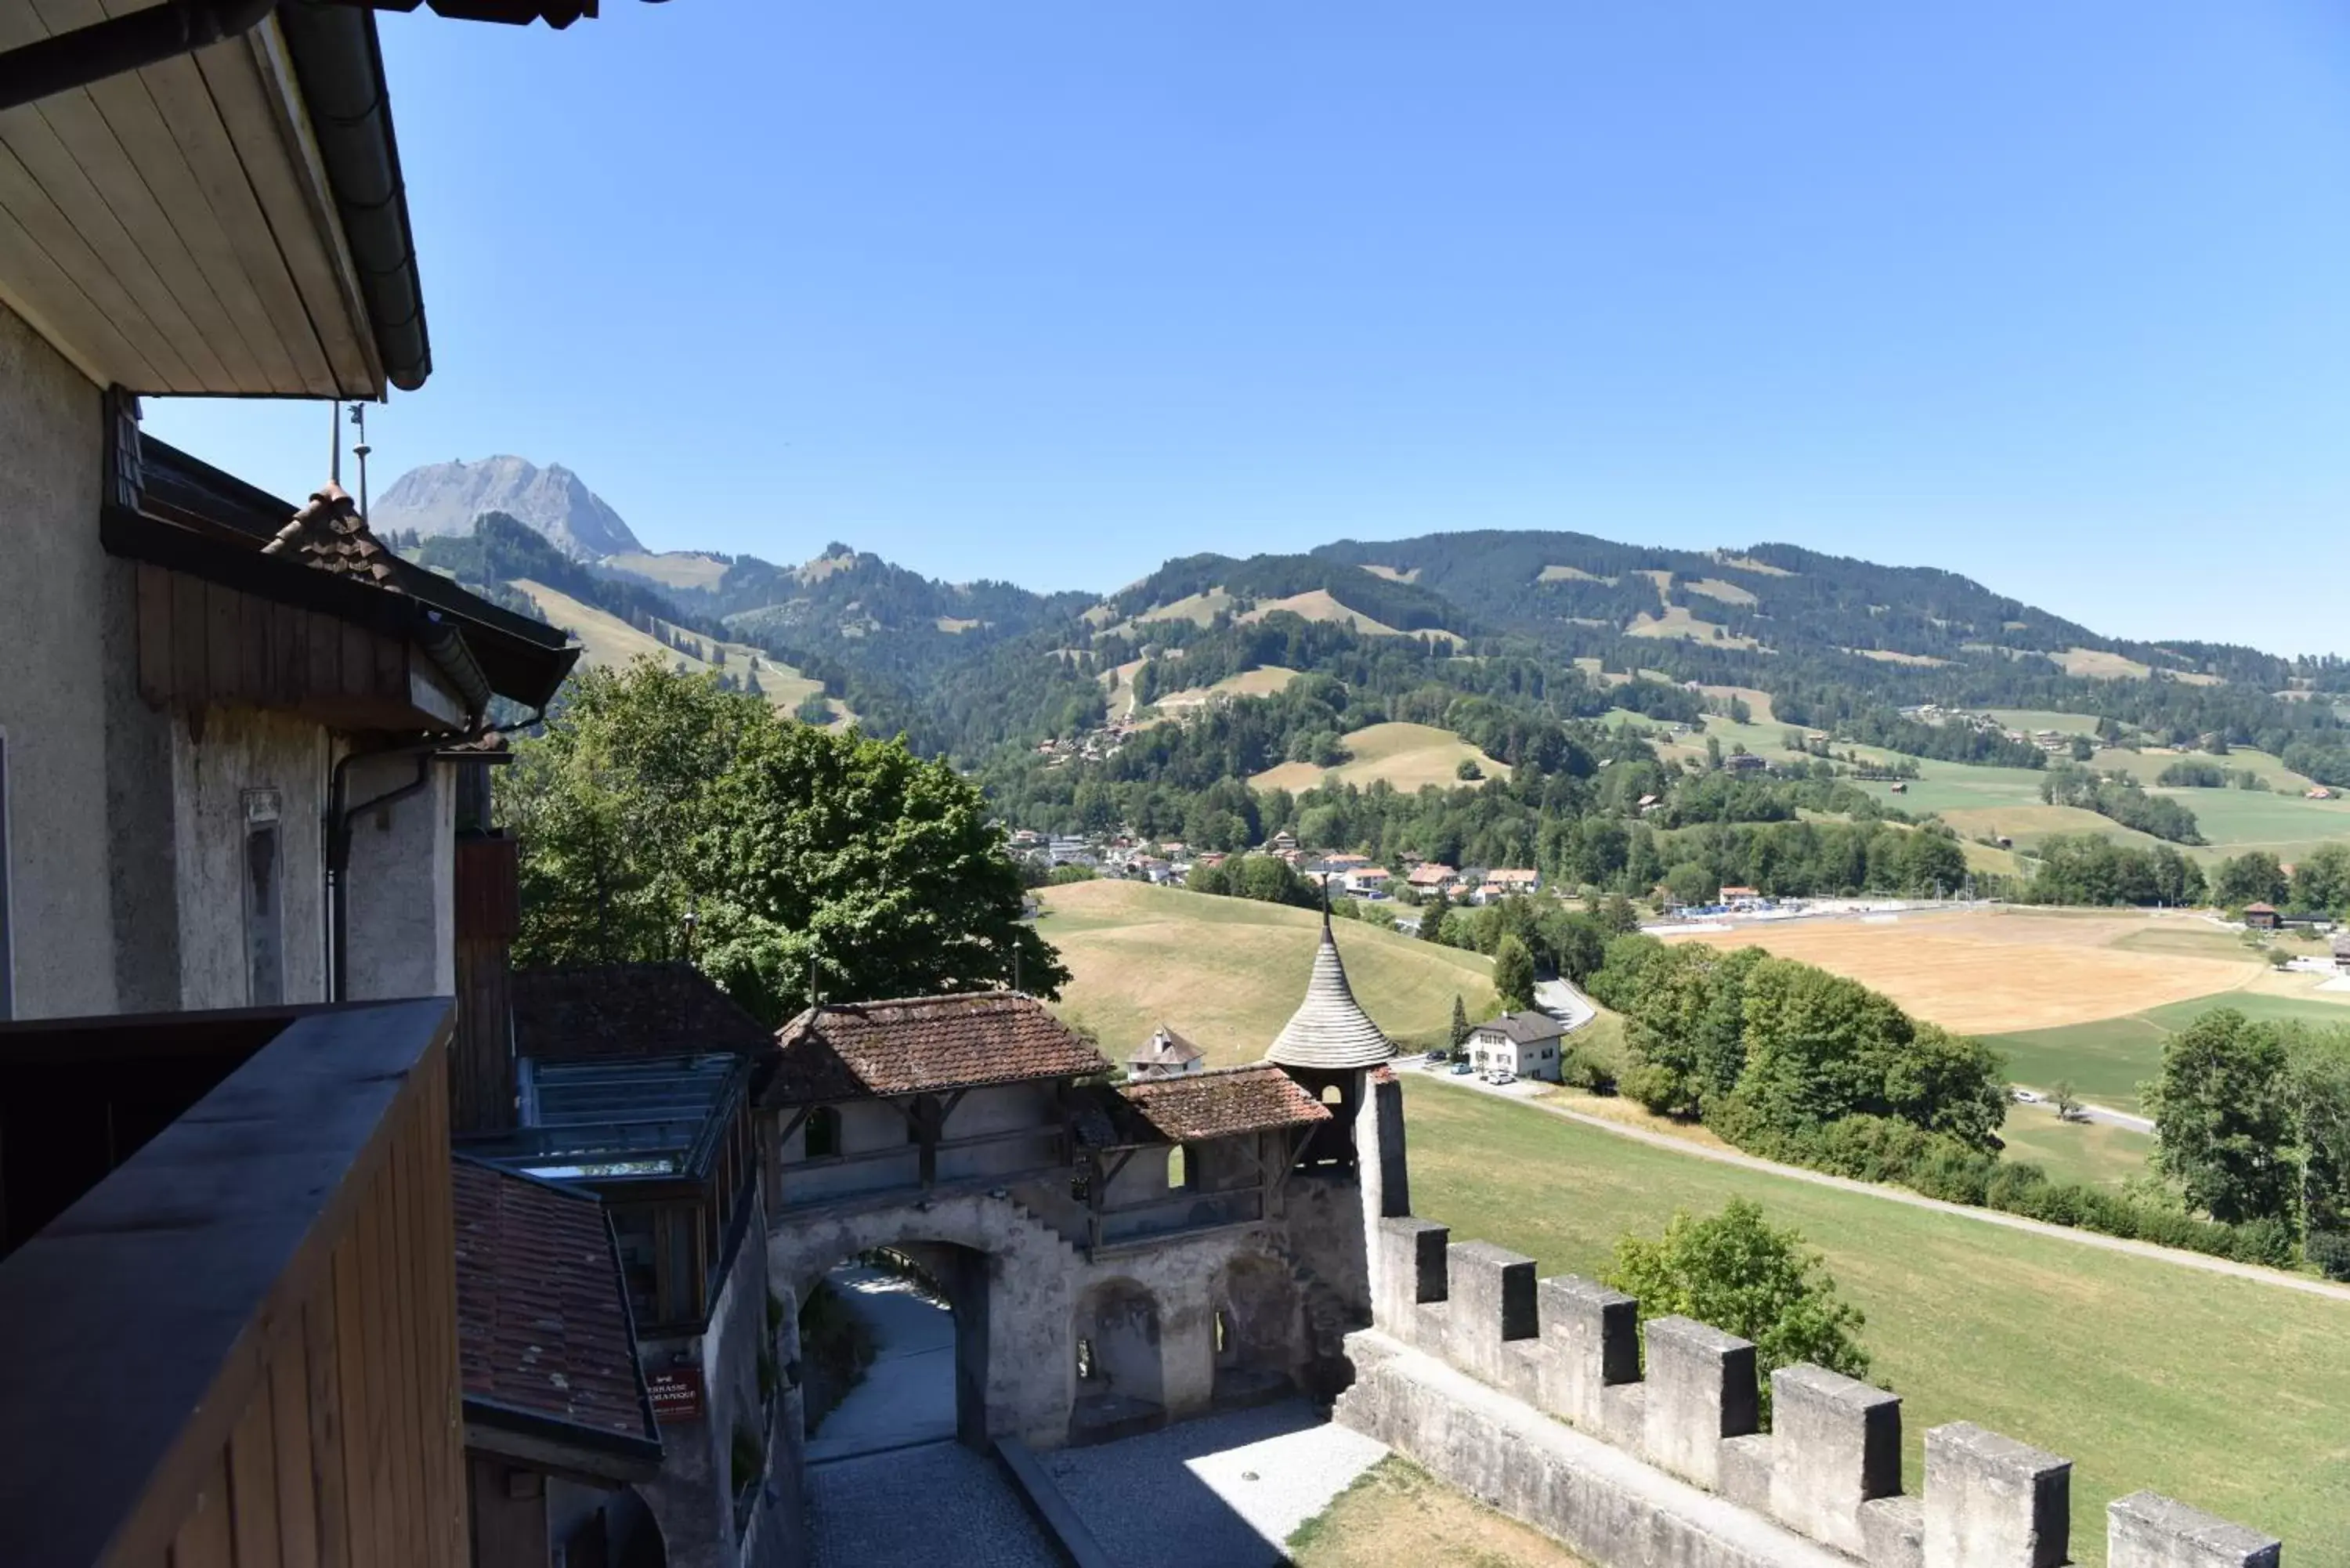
{"points": [[1330, 1029]]}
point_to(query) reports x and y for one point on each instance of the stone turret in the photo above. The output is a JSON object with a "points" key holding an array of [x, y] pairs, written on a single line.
{"points": [[1330, 1046]]}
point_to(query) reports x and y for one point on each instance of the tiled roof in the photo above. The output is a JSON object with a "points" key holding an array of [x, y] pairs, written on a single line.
{"points": [[330, 535], [1330, 1029], [627, 1010], [1165, 1048], [919, 1044], [1222, 1104], [542, 1326], [1525, 1028]]}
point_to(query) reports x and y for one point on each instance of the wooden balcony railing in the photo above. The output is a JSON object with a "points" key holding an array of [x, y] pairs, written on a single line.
{"points": [[240, 1345]]}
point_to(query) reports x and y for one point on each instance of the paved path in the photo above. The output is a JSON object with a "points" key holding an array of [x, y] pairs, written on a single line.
{"points": [[913, 1508], [1223, 1491], [1564, 1002], [908, 1395], [2079, 1238]]}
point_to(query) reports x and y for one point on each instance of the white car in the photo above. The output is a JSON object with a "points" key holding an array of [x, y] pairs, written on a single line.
{"points": [[1501, 1077], [2027, 1096]]}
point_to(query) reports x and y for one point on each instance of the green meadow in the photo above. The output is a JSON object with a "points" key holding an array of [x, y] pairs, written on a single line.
{"points": [[2108, 1060], [2223, 1393]]}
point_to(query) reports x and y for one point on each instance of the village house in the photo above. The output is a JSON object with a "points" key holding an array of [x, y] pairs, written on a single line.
{"points": [[1430, 877], [1526, 1043], [1166, 1055], [2261, 916], [1737, 896], [1744, 763]]}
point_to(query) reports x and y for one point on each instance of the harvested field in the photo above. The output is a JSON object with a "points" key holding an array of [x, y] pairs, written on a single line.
{"points": [[1264, 682], [1408, 757], [1677, 622], [1728, 593], [1392, 574], [1569, 575], [2009, 971]]}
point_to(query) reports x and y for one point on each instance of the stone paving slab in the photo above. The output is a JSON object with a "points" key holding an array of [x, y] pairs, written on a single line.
{"points": [[913, 1508], [1223, 1491]]}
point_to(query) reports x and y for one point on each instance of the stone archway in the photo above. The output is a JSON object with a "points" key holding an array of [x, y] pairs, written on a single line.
{"points": [[1008, 1277]]}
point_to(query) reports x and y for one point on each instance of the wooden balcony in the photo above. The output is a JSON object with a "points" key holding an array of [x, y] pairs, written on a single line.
{"points": [[237, 1343]]}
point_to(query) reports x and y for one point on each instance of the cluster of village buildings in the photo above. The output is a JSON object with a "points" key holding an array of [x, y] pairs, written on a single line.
{"points": [[1169, 863]]}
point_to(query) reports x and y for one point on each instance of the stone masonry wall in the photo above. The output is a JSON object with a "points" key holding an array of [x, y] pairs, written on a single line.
{"points": [[1528, 1394]]}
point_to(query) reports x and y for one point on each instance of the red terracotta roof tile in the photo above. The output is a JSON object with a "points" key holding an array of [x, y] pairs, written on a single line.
{"points": [[629, 1010], [542, 1323], [923, 1045], [1226, 1103]]}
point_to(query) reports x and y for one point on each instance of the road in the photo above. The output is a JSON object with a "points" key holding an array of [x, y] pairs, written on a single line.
{"points": [[1522, 1090], [2129, 1120], [907, 1395], [1565, 1003]]}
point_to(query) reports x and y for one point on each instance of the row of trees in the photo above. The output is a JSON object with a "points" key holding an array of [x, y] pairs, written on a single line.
{"points": [[2119, 795], [2253, 1123]]}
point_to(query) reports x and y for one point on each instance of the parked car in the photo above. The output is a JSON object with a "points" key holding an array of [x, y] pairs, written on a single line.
{"points": [[1461, 1069], [1501, 1077], [1439, 1055], [2027, 1096]]}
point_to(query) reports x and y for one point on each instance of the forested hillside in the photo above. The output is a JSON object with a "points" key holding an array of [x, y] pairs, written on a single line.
{"points": [[1608, 689]]}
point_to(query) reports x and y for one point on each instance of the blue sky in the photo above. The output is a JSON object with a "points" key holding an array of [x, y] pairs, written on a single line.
{"points": [[2054, 295]]}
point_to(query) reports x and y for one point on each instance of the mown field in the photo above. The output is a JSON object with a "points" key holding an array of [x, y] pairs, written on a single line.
{"points": [[2004, 972], [1407, 756], [2107, 1058], [2224, 1393], [1226, 973]]}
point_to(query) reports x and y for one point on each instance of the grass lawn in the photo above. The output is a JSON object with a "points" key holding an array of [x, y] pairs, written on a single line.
{"points": [[1408, 757], [2223, 1393], [2108, 1059], [1396, 1515], [1226, 973], [2097, 1154], [608, 643]]}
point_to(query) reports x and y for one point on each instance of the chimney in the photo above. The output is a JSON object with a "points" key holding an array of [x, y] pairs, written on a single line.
{"points": [[488, 918]]}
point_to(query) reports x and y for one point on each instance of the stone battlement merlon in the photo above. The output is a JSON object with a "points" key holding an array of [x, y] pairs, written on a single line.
{"points": [[1828, 1475]]}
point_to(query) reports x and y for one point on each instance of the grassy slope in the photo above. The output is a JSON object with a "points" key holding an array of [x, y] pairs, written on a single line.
{"points": [[1408, 756], [611, 641], [2223, 1393], [1228, 973], [2097, 1153]]}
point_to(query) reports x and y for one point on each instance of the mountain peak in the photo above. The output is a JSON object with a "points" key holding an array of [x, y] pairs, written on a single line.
{"points": [[445, 498]]}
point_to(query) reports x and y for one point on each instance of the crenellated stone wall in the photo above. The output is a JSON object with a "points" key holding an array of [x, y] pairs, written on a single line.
{"points": [[1529, 1394]]}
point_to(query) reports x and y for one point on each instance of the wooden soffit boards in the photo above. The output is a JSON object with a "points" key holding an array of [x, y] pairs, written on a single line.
{"points": [[170, 230]]}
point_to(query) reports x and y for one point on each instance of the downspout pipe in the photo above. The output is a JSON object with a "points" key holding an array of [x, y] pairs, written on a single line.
{"points": [[120, 43], [339, 818]]}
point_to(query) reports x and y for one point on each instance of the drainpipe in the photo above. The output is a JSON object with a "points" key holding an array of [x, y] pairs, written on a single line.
{"points": [[339, 818]]}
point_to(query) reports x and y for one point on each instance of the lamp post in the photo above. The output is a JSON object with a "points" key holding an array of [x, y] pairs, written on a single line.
{"points": [[361, 451]]}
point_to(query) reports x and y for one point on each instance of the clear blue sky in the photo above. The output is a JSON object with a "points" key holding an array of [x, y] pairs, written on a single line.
{"points": [[2057, 295]]}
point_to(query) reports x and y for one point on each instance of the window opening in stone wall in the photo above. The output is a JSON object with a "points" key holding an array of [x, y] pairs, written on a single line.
{"points": [[1223, 1328], [1333, 1096], [823, 1139], [264, 914], [1085, 1359], [1177, 1177]]}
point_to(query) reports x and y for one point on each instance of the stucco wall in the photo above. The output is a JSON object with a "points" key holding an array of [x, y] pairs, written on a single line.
{"points": [[52, 690], [214, 761], [401, 917]]}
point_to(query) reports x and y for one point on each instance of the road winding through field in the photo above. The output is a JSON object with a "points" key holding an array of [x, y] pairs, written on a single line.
{"points": [[1524, 1092]]}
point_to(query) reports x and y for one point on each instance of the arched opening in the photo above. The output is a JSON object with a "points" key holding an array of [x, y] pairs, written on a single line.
{"points": [[1332, 1094], [1256, 1330], [893, 1351], [1121, 1388]]}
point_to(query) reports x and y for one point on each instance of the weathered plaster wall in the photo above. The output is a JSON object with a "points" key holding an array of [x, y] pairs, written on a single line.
{"points": [[400, 919], [52, 680], [216, 760]]}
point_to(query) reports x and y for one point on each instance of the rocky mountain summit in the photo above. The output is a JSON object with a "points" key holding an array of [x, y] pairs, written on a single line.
{"points": [[445, 498]]}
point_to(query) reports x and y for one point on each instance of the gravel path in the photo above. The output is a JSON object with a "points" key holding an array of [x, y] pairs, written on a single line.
{"points": [[1223, 1491], [2079, 1238], [918, 1507]]}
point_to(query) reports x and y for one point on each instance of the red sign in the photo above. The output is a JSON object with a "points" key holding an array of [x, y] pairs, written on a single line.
{"points": [[676, 1394]]}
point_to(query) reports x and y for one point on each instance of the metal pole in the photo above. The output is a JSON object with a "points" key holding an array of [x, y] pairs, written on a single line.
{"points": [[335, 466]]}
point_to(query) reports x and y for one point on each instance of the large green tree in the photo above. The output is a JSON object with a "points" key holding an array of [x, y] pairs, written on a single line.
{"points": [[2223, 1117], [1743, 1276], [1513, 975], [2251, 877], [809, 859]]}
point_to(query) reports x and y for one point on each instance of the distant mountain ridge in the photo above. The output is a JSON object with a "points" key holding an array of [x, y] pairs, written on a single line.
{"points": [[446, 497]]}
